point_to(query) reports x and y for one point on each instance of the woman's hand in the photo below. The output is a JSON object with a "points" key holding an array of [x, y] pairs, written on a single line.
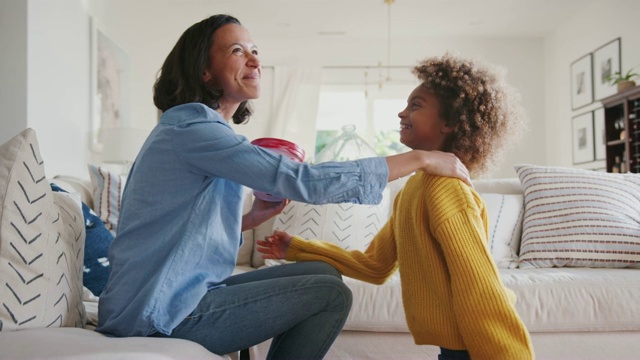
{"points": [[262, 211], [432, 162], [446, 164], [275, 246]]}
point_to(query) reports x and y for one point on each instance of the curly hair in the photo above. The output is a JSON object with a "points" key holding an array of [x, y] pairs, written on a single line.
{"points": [[475, 100], [180, 79]]}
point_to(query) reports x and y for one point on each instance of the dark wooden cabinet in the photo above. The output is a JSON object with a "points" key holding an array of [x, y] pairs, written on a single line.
{"points": [[622, 130]]}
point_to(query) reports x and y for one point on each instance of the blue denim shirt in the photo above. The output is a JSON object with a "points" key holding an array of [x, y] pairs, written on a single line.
{"points": [[180, 222]]}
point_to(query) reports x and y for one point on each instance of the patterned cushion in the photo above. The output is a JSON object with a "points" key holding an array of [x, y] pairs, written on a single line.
{"points": [[505, 227], [96, 249], [108, 187], [41, 243], [579, 218], [351, 226]]}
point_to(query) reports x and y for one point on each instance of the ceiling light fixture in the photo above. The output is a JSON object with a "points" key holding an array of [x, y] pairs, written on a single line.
{"points": [[388, 66]]}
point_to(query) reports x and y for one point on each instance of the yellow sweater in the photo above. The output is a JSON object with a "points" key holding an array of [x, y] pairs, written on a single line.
{"points": [[452, 293]]}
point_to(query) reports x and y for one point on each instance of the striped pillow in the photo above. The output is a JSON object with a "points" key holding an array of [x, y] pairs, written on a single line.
{"points": [[107, 194], [579, 218]]}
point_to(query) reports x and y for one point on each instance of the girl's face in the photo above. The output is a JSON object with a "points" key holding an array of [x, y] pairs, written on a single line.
{"points": [[421, 127], [234, 65]]}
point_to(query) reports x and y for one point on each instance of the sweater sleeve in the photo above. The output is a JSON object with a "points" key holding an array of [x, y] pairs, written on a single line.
{"points": [[375, 265], [488, 322]]}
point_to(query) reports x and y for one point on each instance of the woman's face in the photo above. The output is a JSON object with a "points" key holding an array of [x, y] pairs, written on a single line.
{"points": [[421, 127], [234, 65]]}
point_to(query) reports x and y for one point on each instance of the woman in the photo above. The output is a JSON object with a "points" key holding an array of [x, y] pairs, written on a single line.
{"points": [[181, 219]]}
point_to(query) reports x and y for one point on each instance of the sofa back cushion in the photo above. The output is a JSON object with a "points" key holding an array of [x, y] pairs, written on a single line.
{"points": [[503, 198], [350, 226], [41, 243], [505, 212]]}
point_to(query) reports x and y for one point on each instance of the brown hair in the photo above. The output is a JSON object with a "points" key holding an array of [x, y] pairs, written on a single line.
{"points": [[484, 110], [180, 80]]}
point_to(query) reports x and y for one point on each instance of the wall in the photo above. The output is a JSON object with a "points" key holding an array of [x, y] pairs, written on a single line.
{"points": [[593, 27], [47, 86], [58, 83], [13, 68], [148, 42], [44, 69]]}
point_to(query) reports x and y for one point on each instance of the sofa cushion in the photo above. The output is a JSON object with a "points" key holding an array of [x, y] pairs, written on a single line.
{"points": [[505, 212], [576, 299], [576, 217], [376, 307], [548, 300], [350, 226], [108, 187], [41, 243], [96, 249]]}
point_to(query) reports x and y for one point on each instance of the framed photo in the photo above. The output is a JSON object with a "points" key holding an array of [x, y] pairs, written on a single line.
{"points": [[581, 82], [583, 150], [600, 138], [110, 80], [606, 62]]}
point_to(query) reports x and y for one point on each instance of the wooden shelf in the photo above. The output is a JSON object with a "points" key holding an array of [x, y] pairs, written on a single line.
{"points": [[621, 117]]}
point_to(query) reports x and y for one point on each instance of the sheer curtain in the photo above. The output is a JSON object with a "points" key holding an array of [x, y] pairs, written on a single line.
{"points": [[296, 93]]}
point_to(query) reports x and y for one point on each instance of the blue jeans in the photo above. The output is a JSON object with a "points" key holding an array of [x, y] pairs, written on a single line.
{"points": [[302, 306]]}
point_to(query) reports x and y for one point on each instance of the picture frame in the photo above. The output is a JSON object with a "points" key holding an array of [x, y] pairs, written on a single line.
{"points": [[606, 62], [110, 85], [583, 146], [599, 136], [581, 82]]}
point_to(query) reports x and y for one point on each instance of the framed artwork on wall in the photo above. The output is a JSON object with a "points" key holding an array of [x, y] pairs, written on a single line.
{"points": [[606, 62], [110, 78], [600, 139], [581, 82], [583, 148]]}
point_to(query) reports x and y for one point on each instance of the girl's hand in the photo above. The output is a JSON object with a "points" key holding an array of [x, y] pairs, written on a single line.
{"points": [[262, 211], [275, 246]]}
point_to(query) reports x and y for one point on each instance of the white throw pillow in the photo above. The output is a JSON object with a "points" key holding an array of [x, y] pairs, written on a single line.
{"points": [[42, 236], [579, 218], [350, 226], [108, 187], [505, 213]]}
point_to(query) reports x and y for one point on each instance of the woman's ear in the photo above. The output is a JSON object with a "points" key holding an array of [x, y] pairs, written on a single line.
{"points": [[206, 77]]}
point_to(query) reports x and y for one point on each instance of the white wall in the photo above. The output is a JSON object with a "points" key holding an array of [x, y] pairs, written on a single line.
{"points": [[148, 42], [54, 71], [13, 68], [595, 26], [58, 83], [44, 67]]}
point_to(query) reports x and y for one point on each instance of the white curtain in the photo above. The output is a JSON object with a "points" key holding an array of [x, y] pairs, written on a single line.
{"points": [[296, 93]]}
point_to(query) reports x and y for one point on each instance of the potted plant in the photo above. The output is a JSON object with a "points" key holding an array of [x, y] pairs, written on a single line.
{"points": [[624, 81]]}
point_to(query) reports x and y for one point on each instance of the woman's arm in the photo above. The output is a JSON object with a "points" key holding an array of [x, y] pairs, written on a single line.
{"points": [[431, 162]]}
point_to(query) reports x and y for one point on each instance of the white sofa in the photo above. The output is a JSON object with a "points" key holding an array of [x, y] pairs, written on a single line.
{"points": [[571, 312], [575, 313]]}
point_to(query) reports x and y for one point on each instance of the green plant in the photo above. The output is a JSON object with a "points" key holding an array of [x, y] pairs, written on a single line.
{"points": [[618, 77]]}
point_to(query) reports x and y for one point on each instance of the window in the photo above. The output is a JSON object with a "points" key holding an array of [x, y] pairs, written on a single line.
{"points": [[375, 116]]}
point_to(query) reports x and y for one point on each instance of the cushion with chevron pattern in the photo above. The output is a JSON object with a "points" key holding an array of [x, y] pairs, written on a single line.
{"points": [[351, 226], [41, 243]]}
